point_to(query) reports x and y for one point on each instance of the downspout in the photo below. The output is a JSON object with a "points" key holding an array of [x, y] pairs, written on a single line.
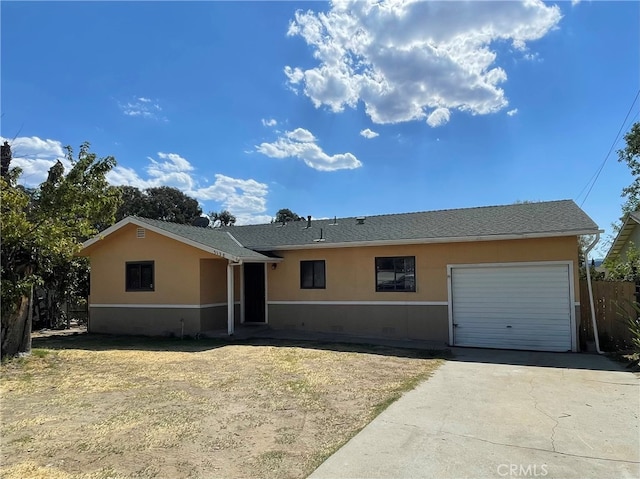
{"points": [[593, 309]]}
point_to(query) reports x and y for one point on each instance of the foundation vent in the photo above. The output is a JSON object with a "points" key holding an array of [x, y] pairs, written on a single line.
{"points": [[140, 233]]}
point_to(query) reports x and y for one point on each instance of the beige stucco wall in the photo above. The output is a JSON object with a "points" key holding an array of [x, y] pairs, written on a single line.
{"points": [[178, 270], [183, 275], [213, 281], [350, 272], [187, 276]]}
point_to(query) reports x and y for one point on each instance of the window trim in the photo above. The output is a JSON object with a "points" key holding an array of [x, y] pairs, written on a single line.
{"points": [[395, 272], [313, 262], [139, 264]]}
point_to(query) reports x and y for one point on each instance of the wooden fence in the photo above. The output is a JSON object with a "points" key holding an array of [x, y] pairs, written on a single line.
{"points": [[612, 302]]}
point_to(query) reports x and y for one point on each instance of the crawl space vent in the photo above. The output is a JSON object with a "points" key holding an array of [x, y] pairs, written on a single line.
{"points": [[140, 233]]}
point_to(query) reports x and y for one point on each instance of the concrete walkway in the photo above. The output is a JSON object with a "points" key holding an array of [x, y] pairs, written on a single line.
{"points": [[493, 414]]}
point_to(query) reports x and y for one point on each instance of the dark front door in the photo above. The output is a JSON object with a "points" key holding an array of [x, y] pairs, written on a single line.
{"points": [[254, 293]]}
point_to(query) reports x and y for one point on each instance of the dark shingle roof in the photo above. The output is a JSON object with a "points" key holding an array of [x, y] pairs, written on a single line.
{"points": [[552, 218], [535, 219], [217, 239]]}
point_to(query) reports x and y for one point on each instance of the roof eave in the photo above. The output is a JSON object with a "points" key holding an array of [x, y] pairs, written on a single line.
{"points": [[266, 259], [621, 238]]}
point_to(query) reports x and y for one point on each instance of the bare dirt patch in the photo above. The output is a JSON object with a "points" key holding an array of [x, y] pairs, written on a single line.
{"points": [[96, 407]]}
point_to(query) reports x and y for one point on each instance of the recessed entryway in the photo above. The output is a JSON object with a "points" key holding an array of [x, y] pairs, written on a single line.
{"points": [[254, 293]]}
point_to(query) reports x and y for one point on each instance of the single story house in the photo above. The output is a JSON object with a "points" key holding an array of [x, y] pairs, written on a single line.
{"points": [[628, 235], [495, 277]]}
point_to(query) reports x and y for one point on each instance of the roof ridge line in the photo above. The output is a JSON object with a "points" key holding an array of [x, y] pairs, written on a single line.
{"points": [[234, 239], [444, 210]]}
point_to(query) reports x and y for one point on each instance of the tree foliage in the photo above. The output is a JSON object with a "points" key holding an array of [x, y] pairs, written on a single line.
{"points": [[630, 155], [223, 218], [625, 267], [42, 231], [285, 215], [583, 244], [161, 203]]}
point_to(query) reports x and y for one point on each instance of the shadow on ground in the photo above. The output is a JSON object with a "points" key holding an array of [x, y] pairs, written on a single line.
{"points": [[331, 342], [105, 342], [590, 361]]}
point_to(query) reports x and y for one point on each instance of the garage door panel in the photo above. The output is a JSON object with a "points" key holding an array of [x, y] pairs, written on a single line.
{"points": [[513, 331], [506, 314], [514, 322], [533, 300], [536, 325], [537, 345], [511, 291], [520, 307]]}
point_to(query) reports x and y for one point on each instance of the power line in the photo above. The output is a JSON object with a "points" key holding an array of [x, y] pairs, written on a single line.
{"points": [[599, 170]]}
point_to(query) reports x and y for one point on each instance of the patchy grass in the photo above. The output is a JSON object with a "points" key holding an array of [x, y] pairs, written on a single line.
{"points": [[105, 407]]}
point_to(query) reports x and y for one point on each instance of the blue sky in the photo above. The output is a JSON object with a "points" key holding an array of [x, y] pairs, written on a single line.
{"points": [[329, 109]]}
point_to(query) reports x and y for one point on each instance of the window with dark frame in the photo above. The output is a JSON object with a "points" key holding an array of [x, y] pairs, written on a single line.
{"points": [[396, 273], [140, 276], [312, 274]]}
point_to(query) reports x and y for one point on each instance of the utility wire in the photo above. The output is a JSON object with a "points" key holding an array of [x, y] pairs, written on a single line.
{"points": [[625, 128], [599, 170]]}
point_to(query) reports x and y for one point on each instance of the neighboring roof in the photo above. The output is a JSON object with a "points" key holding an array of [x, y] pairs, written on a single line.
{"points": [[215, 241], [241, 243], [630, 222], [552, 218]]}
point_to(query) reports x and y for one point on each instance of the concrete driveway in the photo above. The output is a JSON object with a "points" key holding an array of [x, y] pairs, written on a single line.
{"points": [[504, 414]]}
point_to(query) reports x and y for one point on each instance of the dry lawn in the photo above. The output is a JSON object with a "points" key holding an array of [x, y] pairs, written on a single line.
{"points": [[101, 407]]}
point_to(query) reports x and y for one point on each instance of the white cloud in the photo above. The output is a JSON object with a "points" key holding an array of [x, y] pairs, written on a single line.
{"points": [[575, 2], [512, 112], [438, 117], [369, 134], [301, 135], [244, 198], [35, 156], [532, 57], [269, 122], [301, 144], [404, 59], [174, 162], [142, 107]]}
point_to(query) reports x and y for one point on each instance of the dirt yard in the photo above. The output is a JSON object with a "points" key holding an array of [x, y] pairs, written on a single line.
{"points": [[102, 407]]}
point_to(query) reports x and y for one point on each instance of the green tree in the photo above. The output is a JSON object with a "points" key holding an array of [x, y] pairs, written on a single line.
{"points": [[285, 215], [626, 267], [133, 202], [42, 232], [630, 155], [161, 203], [223, 218]]}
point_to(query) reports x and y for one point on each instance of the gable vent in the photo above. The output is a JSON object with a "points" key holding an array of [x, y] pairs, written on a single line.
{"points": [[140, 233]]}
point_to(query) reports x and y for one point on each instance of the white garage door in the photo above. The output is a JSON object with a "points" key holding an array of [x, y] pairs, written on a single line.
{"points": [[512, 307]]}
